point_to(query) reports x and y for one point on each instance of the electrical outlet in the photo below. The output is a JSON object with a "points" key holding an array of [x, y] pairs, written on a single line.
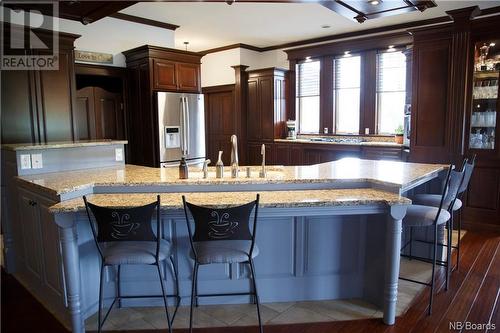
{"points": [[36, 161], [25, 160], [119, 154]]}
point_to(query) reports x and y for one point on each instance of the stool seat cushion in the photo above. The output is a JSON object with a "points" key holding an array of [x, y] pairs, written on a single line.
{"points": [[421, 216], [223, 251], [135, 252], [433, 200]]}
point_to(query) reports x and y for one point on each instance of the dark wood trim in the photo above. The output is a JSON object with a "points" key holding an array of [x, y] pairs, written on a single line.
{"points": [[145, 21], [354, 46], [352, 34], [232, 46], [326, 116], [219, 88], [240, 107], [100, 70], [170, 54]]}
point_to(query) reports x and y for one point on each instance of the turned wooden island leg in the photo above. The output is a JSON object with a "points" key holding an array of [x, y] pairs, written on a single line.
{"points": [[392, 250], [71, 264]]}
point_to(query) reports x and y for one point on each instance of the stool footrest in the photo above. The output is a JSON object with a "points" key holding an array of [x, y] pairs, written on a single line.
{"points": [[228, 294]]}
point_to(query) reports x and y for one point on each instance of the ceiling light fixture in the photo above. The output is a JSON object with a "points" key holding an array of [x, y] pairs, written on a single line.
{"points": [[230, 2], [186, 45], [391, 48], [347, 53], [375, 2], [492, 44], [308, 59]]}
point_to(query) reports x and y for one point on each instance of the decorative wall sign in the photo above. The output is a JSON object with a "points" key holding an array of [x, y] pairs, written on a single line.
{"points": [[88, 56]]}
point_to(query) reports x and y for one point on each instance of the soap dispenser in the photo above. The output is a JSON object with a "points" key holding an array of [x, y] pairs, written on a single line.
{"points": [[183, 169], [219, 167]]}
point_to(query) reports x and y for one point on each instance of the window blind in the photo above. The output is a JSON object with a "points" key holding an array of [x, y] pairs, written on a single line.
{"points": [[391, 86], [308, 79], [391, 71]]}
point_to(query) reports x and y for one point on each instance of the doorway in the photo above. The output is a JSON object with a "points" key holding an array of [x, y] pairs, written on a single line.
{"points": [[100, 103]]}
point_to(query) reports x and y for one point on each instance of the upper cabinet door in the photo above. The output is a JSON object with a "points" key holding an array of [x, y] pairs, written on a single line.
{"points": [[165, 76], [188, 77], [56, 99]]}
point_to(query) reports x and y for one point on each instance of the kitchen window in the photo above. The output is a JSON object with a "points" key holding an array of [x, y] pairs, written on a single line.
{"points": [[346, 94], [391, 91], [307, 92]]}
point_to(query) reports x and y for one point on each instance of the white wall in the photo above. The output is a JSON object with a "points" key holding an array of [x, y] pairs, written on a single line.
{"points": [[109, 35], [216, 67], [113, 36]]}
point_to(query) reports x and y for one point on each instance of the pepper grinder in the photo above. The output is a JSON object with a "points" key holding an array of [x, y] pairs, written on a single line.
{"points": [[219, 167], [183, 169]]}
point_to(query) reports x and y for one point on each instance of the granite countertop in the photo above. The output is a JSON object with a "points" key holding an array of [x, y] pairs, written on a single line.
{"points": [[361, 143], [268, 199], [344, 171], [61, 144]]}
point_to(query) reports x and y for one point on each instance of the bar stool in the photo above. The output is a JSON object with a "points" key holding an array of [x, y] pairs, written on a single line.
{"points": [[222, 236], [433, 200], [124, 236], [425, 216]]}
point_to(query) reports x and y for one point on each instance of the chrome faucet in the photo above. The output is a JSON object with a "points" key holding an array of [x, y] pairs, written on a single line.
{"points": [[262, 173], [205, 168], [234, 156]]}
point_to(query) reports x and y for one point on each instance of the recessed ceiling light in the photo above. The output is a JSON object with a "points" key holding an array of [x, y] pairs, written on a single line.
{"points": [[308, 59], [391, 48], [374, 2], [347, 53], [326, 26], [492, 44]]}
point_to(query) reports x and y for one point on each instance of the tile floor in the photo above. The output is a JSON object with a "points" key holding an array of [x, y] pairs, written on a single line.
{"points": [[272, 313]]}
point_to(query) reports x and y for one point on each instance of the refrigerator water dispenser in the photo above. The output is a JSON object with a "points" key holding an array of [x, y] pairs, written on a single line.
{"points": [[172, 137]]}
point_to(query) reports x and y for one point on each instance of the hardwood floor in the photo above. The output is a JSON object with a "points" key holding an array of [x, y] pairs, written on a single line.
{"points": [[473, 297]]}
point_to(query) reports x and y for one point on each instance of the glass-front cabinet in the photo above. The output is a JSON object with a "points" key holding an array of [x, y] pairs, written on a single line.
{"points": [[484, 113]]}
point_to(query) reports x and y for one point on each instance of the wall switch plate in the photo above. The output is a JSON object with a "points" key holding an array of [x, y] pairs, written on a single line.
{"points": [[25, 160], [119, 154], [36, 161], [367, 130]]}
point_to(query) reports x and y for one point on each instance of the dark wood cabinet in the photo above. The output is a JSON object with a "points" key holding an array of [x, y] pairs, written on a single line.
{"points": [[266, 107], [431, 123], [220, 121], [99, 114], [188, 77], [153, 69], [254, 156], [38, 105], [381, 153], [176, 76], [315, 155], [164, 75]]}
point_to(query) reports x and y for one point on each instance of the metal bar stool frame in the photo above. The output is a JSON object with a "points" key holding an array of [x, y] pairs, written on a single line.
{"points": [[194, 287], [445, 193], [119, 296]]}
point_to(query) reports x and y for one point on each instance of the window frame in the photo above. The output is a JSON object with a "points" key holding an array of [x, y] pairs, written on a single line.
{"points": [[377, 114], [297, 97], [367, 48]]}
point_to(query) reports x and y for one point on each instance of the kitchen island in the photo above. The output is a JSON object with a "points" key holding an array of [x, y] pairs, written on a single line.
{"points": [[326, 231]]}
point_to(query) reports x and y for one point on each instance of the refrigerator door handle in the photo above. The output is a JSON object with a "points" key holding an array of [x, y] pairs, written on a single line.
{"points": [[181, 118], [186, 123]]}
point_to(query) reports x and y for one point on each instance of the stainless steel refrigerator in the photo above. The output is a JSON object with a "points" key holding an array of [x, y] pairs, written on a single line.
{"points": [[182, 128]]}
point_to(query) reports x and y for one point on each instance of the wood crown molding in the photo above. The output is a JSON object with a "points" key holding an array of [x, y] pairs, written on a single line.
{"points": [[230, 47], [145, 21], [352, 34]]}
